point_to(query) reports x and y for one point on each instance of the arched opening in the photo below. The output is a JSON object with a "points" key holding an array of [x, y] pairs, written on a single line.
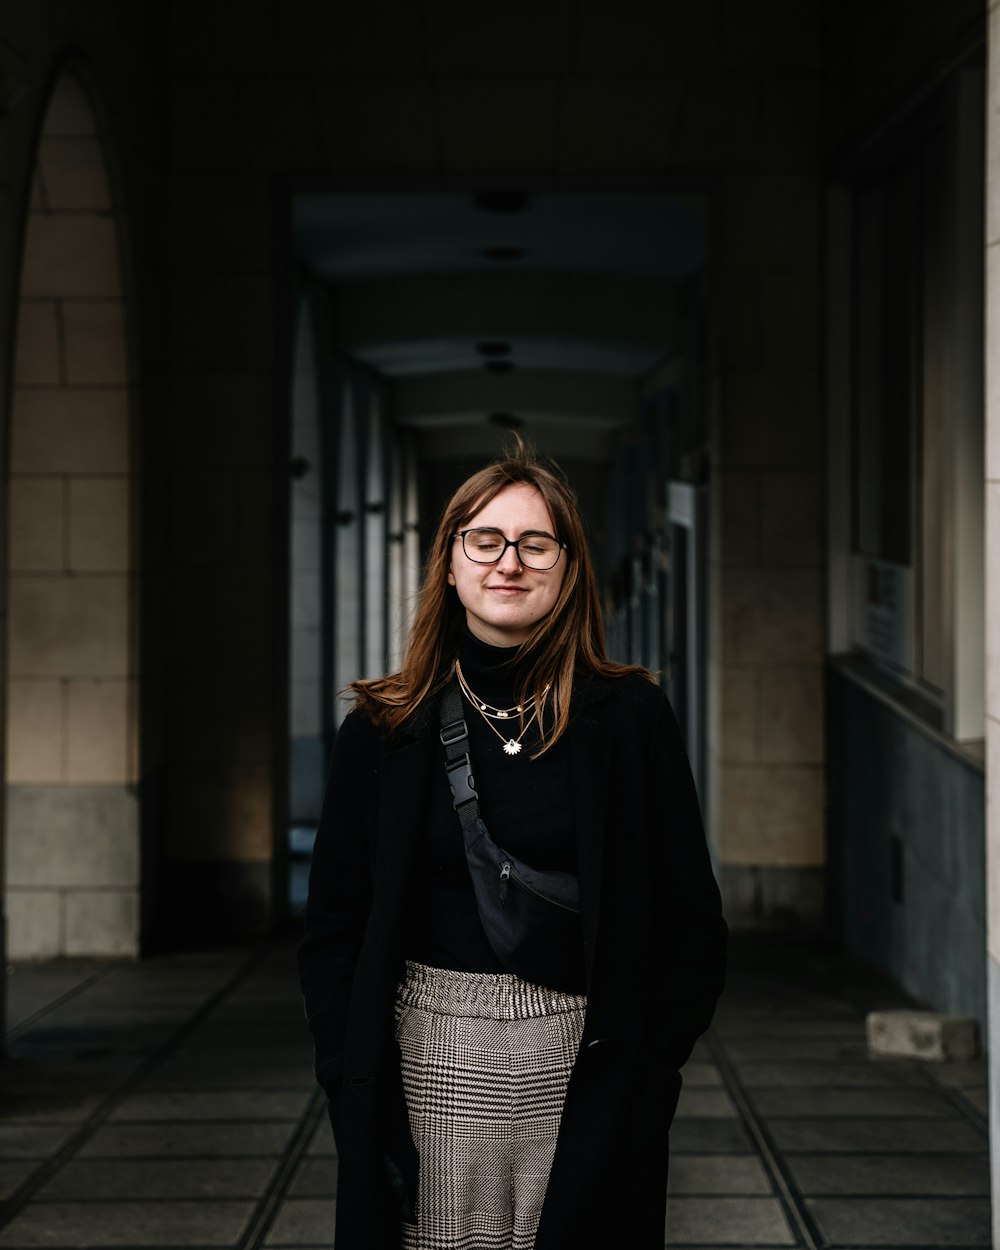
{"points": [[73, 862]]}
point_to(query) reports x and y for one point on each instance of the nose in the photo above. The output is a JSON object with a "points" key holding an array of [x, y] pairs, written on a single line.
{"points": [[509, 562]]}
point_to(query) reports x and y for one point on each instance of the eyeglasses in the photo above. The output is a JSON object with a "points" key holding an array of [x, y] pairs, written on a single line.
{"points": [[488, 546]]}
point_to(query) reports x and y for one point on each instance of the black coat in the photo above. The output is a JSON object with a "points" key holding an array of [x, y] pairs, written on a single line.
{"points": [[654, 944]]}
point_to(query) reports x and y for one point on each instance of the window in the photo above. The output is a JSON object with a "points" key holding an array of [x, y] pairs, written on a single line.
{"points": [[907, 220]]}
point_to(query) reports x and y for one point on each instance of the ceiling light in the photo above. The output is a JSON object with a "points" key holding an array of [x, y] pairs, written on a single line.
{"points": [[501, 201], [503, 253]]}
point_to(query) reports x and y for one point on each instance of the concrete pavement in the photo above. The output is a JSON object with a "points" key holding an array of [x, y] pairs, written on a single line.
{"points": [[170, 1104]]}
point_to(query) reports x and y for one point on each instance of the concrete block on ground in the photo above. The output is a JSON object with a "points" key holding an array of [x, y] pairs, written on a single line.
{"points": [[920, 1035]]}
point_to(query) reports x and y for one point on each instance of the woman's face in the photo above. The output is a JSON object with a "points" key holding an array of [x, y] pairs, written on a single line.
{"points": [[504, 601]]}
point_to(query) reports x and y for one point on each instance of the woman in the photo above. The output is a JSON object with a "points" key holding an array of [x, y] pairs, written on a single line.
{"points": [[471, 1107]]}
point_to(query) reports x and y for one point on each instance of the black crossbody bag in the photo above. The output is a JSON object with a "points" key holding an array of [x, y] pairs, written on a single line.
{"points": [[531, 917]]}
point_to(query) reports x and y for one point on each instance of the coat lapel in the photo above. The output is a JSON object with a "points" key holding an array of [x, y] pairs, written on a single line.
{"points": [[590, 758], [404, 798]]}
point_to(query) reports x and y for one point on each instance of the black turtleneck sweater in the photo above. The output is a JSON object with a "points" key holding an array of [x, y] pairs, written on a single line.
{"points": [[526, 804]]}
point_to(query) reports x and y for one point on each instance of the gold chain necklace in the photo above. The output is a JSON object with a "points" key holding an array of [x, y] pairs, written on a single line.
{"points": [[487, 709], [511, 746]]}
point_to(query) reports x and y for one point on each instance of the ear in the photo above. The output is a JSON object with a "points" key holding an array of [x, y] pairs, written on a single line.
{"points": [[451, 576]]}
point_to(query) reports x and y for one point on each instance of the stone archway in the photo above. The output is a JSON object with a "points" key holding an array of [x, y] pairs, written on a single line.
{"points": [[73, 863]]}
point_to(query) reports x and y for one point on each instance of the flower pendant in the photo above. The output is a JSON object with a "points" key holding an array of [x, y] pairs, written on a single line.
{"points": [[512, 747]]}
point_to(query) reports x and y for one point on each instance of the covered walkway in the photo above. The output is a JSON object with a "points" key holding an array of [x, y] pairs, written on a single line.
{"points": [[170, 1103]]}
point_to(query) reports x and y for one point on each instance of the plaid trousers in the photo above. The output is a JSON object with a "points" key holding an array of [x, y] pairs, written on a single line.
{"points": [[486, 1059]]}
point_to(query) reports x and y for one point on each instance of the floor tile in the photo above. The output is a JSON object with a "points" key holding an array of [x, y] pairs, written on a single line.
{"points": [[187, 1141], [900, 1175], [159, 1178], [194, 1075], [864, 1074], [31, 1141], [306, 1221], [766, 1002], [852, 1102], [888, 1136], [276, 1055], [732, 1221], [31, 987], [235, 1035], [978, 1098], [717, 1174], [709, 1137], [13, 1175], [249, 1104], [321, 1143], [314, 1178], [789, 1027], [959, 1072], [127, 1224], [904, 1221], [701, 1075], [710, 1103], [23, 1072], [31, 1107], [794, 1050]]}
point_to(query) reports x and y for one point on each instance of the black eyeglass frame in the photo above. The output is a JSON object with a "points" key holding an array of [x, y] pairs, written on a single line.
{"points": [[510, 542]]}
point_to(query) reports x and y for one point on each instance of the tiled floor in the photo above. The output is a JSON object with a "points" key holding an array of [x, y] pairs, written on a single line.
{"points": [[170, 1104]]}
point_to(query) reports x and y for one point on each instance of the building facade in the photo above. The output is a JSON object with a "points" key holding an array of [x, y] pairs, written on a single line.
{"points": [[270, 286]]}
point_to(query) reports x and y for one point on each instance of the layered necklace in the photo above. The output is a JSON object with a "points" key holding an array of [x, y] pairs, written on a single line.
{"points": [[489, 713]]}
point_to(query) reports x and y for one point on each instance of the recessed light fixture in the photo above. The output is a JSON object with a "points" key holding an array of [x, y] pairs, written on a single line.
{"points": [[501, 201], [493, 347], [500, 366], [503, 253]]}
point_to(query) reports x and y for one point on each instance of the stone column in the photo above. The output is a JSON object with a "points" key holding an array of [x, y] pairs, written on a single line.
{"points": [[72, 715], [766, 566]]}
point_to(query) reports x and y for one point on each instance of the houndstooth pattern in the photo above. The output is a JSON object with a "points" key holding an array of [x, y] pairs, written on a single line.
{"points": [[486, 1060]]}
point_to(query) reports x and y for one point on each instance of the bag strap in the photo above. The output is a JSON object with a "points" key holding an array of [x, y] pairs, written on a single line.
{"points": [[457, 762]]}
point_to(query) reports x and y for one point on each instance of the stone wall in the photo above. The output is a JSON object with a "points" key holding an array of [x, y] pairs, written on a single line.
{"points": [[908, 860]]}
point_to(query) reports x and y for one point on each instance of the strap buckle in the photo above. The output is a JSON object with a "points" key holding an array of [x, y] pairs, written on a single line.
{"points": [[454, 732], [461, 780]]}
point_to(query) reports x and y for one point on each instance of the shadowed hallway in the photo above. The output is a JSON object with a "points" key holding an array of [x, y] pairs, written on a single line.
{"points": [[171, 1104]]}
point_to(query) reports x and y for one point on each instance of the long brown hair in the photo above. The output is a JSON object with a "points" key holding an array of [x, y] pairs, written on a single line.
{"points": [[568, 640]]}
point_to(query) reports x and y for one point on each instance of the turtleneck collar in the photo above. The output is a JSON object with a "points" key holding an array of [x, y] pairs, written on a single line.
{"points": [[490, 671]]}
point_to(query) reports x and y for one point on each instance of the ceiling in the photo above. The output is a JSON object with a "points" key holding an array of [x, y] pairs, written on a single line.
{"points": [[552, 306], [350, 236]]}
